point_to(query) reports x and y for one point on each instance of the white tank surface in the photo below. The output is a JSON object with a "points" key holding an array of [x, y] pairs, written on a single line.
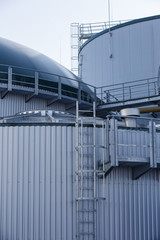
{"points": [[128, 52]]}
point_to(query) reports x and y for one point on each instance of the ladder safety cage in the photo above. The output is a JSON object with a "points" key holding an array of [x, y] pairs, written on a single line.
{"points": [[90, 151]]}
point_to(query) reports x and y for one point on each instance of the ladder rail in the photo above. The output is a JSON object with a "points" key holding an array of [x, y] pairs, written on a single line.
{"points": [[87, 172]]}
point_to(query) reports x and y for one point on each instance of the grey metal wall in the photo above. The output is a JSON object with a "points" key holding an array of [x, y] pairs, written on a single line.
{"points": [[37, 190], [132, 207], [36, 183], [13, 104]]}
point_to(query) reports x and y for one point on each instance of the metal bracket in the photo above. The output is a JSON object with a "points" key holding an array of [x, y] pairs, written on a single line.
{"points": [[4, 93], [30, 96], [71, 105], [52, 100], [140, 170], [108, 168], [56, 98]]}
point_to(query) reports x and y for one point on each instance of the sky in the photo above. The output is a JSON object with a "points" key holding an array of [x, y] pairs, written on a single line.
{"points": [[44, 25]]}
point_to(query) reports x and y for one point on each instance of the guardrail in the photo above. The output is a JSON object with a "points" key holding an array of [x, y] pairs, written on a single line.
{"points": [[136, 147], [143, 88], [57, 86], [87, 30], [38, 83]]}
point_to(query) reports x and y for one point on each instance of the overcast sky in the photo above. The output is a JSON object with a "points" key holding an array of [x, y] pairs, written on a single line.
{"points": [[44, 25]]}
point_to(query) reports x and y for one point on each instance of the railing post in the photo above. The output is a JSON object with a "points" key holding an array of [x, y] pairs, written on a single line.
{"points": [[130, 93], [101, 96], [156, 88], [107, 141], [148, 87], [116, 142], [36, 83], [9, 79], [95, 96], [79, 92], [59, 88], [151, 143], [154, 145], [123, 91], [107, 96]]}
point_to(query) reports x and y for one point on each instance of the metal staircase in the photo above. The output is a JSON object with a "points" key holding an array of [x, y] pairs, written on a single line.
{"points": [[89, 152]]}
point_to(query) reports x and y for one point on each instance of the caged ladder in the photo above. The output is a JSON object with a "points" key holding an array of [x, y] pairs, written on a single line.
{"points": [[89, 148]]}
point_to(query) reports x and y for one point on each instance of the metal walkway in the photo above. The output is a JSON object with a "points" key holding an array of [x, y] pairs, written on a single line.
{"points": [[136, 93], [133, 146], [88, 152]]}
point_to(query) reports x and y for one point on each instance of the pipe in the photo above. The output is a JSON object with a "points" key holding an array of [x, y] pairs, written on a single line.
{"points": [[149, 109]]}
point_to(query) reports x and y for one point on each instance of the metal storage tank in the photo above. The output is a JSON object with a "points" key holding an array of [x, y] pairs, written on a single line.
{"points": [[124, 53], [67, 177], [38, 180], [30, 80]]}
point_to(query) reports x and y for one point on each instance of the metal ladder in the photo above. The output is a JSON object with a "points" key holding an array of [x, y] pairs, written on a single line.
{"points": [[87, 173]]}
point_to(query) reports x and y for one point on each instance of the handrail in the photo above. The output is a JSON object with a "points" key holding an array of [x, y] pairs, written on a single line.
{"points": [[48, 73], [118, 92], [123, 83]]}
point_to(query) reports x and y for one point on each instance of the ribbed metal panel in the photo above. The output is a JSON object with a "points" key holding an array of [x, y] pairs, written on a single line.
{"points": [[132, 207], [37, 189], [36, 186], [133, 143], [13, 104]]}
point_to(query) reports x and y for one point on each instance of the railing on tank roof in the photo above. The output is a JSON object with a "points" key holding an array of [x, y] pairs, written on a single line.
{"points": [[87, 30], [122, 92], [80, 32], [44, 83], [56, 87]]}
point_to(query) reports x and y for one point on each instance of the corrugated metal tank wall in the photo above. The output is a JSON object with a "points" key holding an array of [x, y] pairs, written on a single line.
{"points": [[14, 103], [132, 207], [36, 189], [131, 53]]}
